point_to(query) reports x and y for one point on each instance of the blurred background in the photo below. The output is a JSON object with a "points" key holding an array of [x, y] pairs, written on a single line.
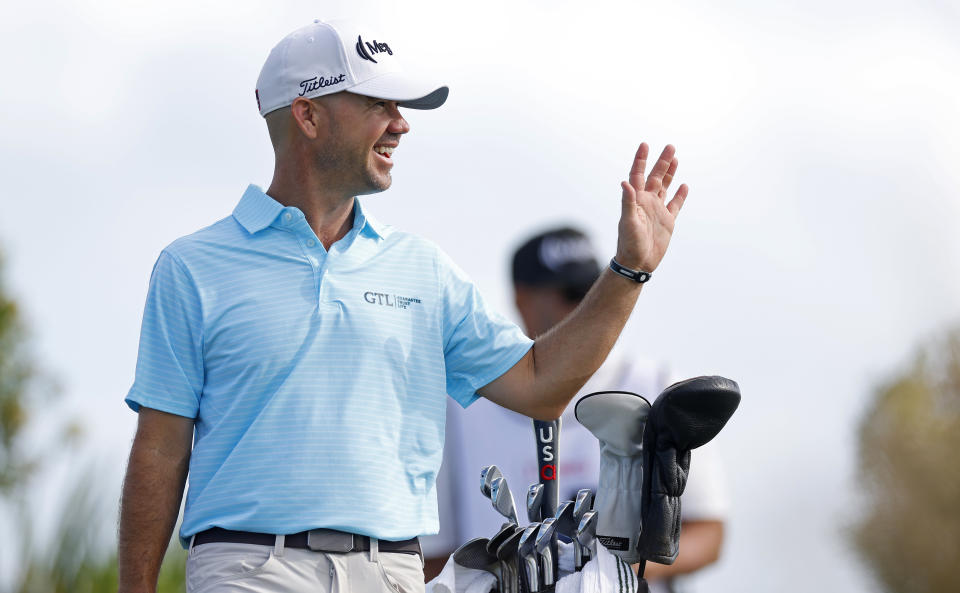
{"points": [[815, 261]]}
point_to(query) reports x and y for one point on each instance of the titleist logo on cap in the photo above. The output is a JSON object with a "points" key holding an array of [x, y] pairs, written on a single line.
{"points": [[319, 82]]}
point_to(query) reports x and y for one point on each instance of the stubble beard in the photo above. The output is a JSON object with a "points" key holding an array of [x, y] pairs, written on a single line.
{"points": [[374, 183], [351, 166]]}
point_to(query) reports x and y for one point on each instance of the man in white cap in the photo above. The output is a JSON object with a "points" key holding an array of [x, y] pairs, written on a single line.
{"points": [[295, 356]]}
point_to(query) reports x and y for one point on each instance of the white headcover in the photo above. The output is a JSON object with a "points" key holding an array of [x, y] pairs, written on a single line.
{"points": [[339, 55], [617, 419]]}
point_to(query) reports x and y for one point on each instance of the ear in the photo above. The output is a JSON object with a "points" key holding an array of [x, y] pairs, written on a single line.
{"points": [[524, 299], [308, 117], [520, 297]]}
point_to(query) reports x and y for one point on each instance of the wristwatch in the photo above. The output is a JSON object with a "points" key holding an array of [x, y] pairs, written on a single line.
{"points": [[638, 276]]}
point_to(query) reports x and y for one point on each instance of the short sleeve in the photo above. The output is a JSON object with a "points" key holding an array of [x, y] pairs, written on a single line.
{"points": [[169, 375], [479, 344]]}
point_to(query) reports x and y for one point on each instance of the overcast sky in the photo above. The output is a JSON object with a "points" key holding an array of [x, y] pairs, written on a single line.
{"points": [[818, 246]]}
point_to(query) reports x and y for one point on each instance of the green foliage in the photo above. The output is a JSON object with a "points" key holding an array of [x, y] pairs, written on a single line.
{"points": [[909, 439], [77, 557], [99, 575], [76, 560], [15, 375]]}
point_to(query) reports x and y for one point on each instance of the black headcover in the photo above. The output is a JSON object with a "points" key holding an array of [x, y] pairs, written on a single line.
{"points": [[685, 416]]}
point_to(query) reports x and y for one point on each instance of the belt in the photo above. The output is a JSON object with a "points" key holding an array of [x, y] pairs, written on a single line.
{"points": [[318, 540]]}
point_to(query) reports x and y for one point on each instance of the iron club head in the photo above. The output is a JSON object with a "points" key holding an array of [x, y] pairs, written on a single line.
{"points": [[545, 546], [487, 475], [534, 500], [508, 554], [582, 504], [566, 525], [473, 554], [502, 499], [527, 557], [507, 530], [587, 536]]}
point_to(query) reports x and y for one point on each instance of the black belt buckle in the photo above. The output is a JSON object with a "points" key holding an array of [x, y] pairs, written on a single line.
{"points": [[330, 540]]}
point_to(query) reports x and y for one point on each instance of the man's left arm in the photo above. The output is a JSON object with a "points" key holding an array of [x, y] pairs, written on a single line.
{"points": [[544, 381]]}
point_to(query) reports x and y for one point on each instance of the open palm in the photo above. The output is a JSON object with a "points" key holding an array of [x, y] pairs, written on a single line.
{"points": [[646, 218]]}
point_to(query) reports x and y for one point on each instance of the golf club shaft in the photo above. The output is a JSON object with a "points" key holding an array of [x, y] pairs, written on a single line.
{"points": [[548, 439], [547, 434]]}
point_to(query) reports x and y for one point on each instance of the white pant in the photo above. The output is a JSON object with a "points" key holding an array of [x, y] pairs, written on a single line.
{"points": [[250, 568]]}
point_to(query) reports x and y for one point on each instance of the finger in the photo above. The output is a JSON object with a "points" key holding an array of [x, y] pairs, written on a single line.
{"points": [[659, 170], [669, 177], [639, 166], [677, 202], [628, 201]]}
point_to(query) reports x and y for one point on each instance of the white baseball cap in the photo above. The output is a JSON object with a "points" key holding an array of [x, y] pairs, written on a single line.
{"points": [[328, 57]]}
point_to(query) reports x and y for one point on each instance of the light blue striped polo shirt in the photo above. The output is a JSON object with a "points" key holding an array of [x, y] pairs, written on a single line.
{"points": [[317, 379]]}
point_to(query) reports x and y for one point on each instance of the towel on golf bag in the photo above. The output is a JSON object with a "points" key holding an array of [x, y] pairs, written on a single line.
{"points": [[458, 579], [604, 574], [685, 416]]}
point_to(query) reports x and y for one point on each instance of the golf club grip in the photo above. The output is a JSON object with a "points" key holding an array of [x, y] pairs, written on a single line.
{"points": [[547, 436]]}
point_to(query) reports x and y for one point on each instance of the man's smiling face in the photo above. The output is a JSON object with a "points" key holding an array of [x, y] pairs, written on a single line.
{"points": [[362, 135]]}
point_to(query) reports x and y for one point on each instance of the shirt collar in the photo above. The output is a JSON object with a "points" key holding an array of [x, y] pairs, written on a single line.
{"points": [[256, 211], [367, 224]]}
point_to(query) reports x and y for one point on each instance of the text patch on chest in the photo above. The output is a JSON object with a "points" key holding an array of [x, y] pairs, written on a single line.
{"points": [[394, 301]]}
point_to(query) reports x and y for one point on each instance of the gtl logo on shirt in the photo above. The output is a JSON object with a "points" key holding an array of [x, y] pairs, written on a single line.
{"points": [[390, 300], [365, 48]]}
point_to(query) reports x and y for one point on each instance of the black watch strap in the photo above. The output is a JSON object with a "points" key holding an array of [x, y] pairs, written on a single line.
{"points": [[638, 276]]}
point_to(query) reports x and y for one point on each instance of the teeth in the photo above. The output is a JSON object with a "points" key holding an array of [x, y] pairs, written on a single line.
{"points": [[387, 150]]}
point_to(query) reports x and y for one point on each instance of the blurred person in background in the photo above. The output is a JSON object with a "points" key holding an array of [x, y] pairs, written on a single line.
{"points": [[552, 272]]}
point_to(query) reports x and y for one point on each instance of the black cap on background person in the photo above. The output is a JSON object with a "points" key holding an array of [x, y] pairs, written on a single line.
{"points": [[552, 272]]}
